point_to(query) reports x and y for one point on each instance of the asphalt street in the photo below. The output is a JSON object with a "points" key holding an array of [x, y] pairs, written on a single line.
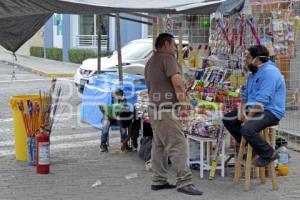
{"points": [[67, 126], [79, 171]]}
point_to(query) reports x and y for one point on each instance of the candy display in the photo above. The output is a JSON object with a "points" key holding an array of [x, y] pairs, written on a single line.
{"points": [[141, 106]]}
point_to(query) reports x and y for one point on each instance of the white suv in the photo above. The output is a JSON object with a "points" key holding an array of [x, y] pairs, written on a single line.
{"points": [[134, 56]]}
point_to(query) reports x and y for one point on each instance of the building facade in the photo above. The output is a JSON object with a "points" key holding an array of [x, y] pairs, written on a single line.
{"points": [[80, 31]]}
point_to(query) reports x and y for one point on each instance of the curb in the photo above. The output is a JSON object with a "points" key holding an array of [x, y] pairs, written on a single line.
{"points": [[51, 75], [37, 71]]}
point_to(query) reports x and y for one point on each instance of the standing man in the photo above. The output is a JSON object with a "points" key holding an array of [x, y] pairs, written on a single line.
{"points": [[165, 88], [264, 102]]}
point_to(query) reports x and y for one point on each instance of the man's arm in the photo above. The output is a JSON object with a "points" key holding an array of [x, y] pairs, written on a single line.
{"points": [[180, 94], [257, 108], [178, 87], [242, 110], [266, 91], [244, 116]]}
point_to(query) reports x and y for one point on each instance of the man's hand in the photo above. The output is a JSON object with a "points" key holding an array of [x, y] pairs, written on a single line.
{"points": [[242, 117], [242, 112], [184, 113]]}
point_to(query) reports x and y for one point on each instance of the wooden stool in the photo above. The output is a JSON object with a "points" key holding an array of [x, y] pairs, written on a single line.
{"points": [[269, 134]]}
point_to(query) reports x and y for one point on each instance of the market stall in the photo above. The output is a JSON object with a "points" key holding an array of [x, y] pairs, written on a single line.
{"points": [[214, 71], [278, 25]]}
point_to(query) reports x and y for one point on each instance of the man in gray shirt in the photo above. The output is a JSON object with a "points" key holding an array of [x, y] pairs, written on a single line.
{"points": [[167, 98]]}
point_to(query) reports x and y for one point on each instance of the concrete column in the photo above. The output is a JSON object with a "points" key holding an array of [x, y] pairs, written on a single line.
{"points": [[66, 37], [112, 33], [48, 33]]}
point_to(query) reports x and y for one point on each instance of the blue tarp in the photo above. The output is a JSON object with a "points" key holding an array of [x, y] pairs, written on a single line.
{"points": [[99, 91]]}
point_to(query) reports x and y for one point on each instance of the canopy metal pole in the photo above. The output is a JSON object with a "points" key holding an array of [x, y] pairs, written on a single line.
{"points": [[99, 32], [154, 30], [160, 24], [179, 49], [120, 68]]}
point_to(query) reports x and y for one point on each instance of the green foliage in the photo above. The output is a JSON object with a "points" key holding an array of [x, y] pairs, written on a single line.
{"points": [[51, 53], [54, 53], [75, 55], [37, 51], [79, 55]]}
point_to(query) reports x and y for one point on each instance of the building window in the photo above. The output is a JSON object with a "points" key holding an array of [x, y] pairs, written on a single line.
{"points": [[86, 25], [87, 29], [105, 25]]}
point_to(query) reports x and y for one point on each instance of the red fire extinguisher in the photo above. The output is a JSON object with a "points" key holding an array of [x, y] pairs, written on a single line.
{"points": [[42, 152]]}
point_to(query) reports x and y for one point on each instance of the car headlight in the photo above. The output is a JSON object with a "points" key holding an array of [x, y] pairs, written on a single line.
{"points": [[85, 72], [81, 71]]}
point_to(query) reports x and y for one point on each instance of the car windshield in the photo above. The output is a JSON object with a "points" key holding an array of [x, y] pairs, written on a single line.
{"points": [[134, 51]]}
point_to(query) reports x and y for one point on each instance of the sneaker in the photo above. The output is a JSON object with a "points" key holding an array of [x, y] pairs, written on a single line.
{"points": [[103, 147], [262, 162]]}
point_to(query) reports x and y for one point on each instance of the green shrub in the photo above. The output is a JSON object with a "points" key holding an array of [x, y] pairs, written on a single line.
{"points": [[75, 55], [79, 55], [37, 51], [54, 53]]}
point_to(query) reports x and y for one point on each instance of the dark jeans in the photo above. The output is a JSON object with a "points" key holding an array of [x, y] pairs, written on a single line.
{"points": [[135, 128], [105, 131], [251, 129]]}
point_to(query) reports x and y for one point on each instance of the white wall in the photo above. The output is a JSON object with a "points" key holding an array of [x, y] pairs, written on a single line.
{"points": [[73, 30], [57, 31], [112, 33], [144, 30]]}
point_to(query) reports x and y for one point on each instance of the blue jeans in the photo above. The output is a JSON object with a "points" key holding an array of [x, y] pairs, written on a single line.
{"points": [[105, 131], [251, 129]]}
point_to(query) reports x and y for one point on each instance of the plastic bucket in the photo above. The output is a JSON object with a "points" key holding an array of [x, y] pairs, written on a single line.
{"points": [[18, 123]]}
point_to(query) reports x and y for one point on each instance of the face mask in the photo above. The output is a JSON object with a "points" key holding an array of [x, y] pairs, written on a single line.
{"points": [[252, 68]]}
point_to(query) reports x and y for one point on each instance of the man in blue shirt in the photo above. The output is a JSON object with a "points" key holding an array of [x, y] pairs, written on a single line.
{"points": [[264, 102]]}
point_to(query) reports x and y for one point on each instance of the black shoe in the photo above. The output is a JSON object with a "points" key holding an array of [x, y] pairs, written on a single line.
{"points": [[103, 147], [128, 148], [190, 190], [262, 162], [162, 187]]}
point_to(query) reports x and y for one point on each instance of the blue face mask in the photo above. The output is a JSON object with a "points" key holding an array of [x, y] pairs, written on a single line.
{"points": [[252, 68]]}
